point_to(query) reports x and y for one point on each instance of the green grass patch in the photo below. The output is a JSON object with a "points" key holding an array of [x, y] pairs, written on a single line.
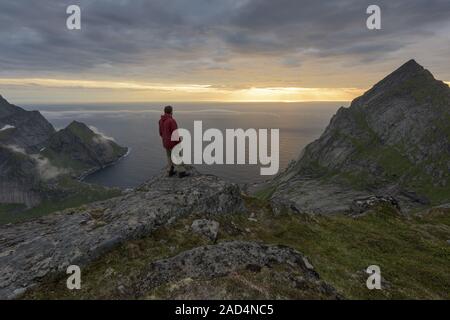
{"points": [[81, 131], [265, 193], [412, 252], [60, 160], [11, 208]]}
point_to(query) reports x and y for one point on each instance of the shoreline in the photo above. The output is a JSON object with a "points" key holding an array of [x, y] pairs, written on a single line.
{"points": [[89, 172]]}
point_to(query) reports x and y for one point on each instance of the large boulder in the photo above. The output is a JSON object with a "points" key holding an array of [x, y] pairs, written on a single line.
{"points": [[206, 228], [228, 259]]}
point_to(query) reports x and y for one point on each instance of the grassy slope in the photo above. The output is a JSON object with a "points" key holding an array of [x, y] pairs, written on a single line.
{"points": [[395, 164], [64, 161], [413, 254], [78, 194]]}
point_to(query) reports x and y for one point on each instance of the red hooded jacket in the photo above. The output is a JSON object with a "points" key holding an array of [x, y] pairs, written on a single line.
{"points": [[167, 125]]}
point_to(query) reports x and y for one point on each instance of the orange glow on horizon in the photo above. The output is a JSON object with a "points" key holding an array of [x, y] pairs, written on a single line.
{"points": [[118, 91], [141, 91]]}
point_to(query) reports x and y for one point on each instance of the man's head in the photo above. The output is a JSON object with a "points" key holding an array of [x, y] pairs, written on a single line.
{"points": [[168, 109]]}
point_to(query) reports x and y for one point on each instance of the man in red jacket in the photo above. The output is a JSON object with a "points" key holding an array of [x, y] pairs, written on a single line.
{"points": [[167, 125]]}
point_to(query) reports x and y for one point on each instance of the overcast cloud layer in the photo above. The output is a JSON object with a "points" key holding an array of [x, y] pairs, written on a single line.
{"points": [[223, 43]]}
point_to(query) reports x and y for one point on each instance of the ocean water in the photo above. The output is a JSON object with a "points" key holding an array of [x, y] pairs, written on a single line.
{"points": [[136, 126]]}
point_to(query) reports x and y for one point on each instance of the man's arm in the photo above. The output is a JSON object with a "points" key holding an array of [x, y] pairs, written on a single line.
{"points": [[173, 127]]}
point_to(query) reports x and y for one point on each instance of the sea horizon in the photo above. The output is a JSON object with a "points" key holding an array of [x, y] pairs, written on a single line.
{"points": [[134, 125]]}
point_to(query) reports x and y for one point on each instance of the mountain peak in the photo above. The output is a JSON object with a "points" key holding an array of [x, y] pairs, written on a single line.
{"points": [[393, 139], [3, 100], [411, 65], [77, 124], [407, 70], [409, 78]]}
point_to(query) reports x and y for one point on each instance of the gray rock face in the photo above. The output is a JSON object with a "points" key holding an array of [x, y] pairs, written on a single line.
{"points": [[403, 114], [28, 129], [224, 258], [315, 196], [392, 139], [312, 196], [20, 132], [206, 228], [32, 250], [364, 204], [19, 178]]}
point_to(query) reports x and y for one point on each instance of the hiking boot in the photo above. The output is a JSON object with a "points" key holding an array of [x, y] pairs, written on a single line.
{"points": [[182, 174]]}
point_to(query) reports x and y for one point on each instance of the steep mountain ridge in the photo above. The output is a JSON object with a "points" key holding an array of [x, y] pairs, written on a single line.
{"points": [[24, 129], [395, 139]]}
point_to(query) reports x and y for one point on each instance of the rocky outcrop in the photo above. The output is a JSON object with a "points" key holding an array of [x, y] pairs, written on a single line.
{"points": [[206, 228], [365, 204], [45, 246], [225, 258], [392, 141], [312, 196]]}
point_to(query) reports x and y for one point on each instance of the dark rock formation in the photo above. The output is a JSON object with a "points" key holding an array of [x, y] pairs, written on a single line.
{"points": [[206, 228], [364, 204], [48, 245], [229, 257], [19, 178]]}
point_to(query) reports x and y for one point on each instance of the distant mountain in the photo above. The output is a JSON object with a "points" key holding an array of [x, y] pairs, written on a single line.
{"points": [[393, 140], [35, 158], [24, 129], [80, 149]]}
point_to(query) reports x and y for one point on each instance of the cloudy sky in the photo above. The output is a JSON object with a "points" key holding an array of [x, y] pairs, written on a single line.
{"points": [[223, 50]]}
